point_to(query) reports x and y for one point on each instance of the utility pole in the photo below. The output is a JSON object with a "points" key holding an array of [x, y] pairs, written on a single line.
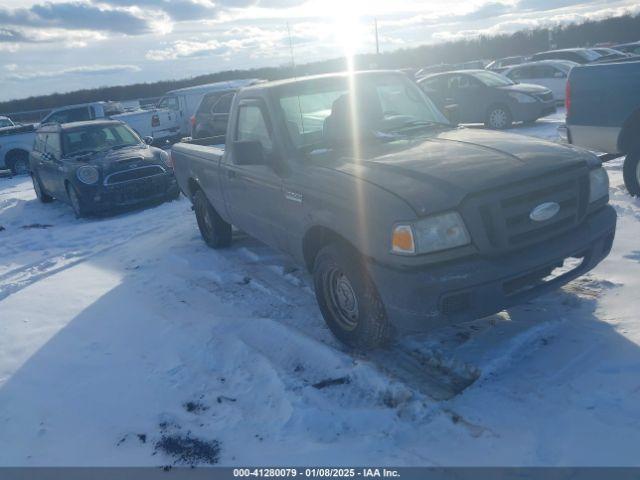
{"points": [[293, 62], [375, 24]]}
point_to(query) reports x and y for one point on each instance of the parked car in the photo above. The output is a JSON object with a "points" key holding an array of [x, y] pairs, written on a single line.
{"points": [[632, 48], [551, 74], [605, 52], [603, 114], [484, 96], [6, 122], [212, 115], [157, 123], [97, 166], [502, 63], [15, 144], [404, 219], [578, 55], [184, 102]]}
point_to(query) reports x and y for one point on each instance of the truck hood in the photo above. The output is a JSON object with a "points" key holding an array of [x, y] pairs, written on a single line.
{"points": [[437, 172]]}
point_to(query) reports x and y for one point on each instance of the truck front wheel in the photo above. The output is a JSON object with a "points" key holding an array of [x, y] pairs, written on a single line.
{"points": [[214, 230], [348, 299], [631, 171]]}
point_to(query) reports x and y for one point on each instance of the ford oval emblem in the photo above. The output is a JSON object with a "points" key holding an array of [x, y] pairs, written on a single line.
{"points": [[544, 212]]}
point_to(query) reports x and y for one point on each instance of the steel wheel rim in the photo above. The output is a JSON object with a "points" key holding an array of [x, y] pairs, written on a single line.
{"points": [[498, 118], [342, 299]]}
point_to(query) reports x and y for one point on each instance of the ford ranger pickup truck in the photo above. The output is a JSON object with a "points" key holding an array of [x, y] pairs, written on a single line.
{"points": [[603, 114], [405, 220]]}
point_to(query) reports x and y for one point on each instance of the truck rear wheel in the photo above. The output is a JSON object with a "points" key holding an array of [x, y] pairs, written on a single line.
{"points": [[631, 171], [348, 299], [214, 230]]}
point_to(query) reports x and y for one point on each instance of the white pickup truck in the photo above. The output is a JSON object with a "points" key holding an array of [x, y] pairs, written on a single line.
{"points": [[16, 142], [158, 123]]}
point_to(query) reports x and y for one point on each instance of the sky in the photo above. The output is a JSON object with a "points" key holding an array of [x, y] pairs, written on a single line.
{"points": [[64, 45]]}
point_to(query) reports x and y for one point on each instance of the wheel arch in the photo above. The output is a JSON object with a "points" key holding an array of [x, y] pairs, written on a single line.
{"points": [[14, 153], [317, 237], [629, 138]]}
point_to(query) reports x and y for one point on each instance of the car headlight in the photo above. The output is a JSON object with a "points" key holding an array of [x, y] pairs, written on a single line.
{"points": [[88, 174], [166, 158], [598, 184], [428, 235], [522, 97]]}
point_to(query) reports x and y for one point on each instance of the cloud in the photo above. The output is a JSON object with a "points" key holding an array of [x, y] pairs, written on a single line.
{"points": [[13, 36], [78, 16], [88, 70], [488, 10], [178, 10]]}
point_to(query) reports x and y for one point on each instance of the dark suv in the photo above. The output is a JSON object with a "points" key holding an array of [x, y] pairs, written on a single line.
{"points": [[97, 166], [212, 114]]}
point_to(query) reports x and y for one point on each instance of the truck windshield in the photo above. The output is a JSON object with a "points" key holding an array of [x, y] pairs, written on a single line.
{"points": [[5, 122], [320, 111], [97, 138]]}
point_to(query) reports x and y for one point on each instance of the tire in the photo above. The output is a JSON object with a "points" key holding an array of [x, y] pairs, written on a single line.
{"points": [[41, 193], [631, 173], [76, 201], [19, 163], [349, 300], [498, 117], [214, 230]]}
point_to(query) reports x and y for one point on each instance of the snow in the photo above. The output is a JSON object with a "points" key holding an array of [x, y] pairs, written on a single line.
{"points": [[118, 332]]}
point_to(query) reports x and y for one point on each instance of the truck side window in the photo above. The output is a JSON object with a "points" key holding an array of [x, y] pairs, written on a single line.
{"points": [[170, 103], [69, 115], [252, 126]]}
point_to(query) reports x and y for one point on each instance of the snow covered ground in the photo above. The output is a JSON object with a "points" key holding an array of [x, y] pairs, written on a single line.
{"points": [[125, 341]]}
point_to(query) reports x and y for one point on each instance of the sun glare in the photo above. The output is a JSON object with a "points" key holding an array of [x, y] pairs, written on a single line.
{"points": [[347, 26]]}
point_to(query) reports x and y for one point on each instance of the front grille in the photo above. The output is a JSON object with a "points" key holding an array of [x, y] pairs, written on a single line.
{"points": [[499, 220], [126, 192], [134, 174]]}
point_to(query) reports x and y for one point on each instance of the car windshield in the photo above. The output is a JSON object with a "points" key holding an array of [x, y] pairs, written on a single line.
{"points": [[320, 112], [97, 138], [5, 122], [492, 79]]}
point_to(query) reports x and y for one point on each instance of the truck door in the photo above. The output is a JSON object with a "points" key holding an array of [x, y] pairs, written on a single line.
{"points": [[252, 192]]}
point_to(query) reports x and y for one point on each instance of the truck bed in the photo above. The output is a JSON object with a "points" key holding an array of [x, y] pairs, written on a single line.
{"points": [[192, 157]]}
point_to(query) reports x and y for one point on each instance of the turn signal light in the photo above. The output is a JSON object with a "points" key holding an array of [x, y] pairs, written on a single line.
{"points": [[402, 240]]}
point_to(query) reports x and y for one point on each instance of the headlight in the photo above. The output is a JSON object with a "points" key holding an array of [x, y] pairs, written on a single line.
{"points": [[88, 175], [166, 158], [522, 97], [598, 184], [428, 235]]}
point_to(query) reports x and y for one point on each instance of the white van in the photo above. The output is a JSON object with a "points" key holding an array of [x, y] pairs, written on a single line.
{"points": [[184, 101]]}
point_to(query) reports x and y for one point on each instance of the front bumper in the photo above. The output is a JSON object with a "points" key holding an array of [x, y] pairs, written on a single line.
{"points": [[528, 112], [466, 289], [108, 197]]}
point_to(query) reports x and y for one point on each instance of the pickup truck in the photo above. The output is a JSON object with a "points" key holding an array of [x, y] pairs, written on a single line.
{"points": [[603, 114], [15, 144], [159, 124], [405, 220]]}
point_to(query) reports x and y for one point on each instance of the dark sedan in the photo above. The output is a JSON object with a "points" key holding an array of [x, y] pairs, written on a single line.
{"points": [[98, 166], [486, 97]]}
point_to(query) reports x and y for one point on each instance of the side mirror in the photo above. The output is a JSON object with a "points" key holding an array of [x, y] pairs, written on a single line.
{"points": [[451, 113], [148, 140], [250, 152]]}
